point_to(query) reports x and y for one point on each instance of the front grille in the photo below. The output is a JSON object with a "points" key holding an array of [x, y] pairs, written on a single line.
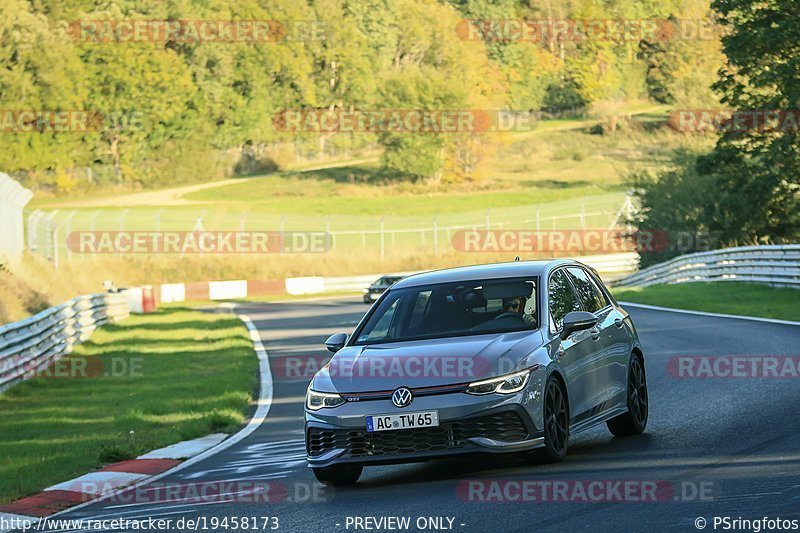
{"points": [[506, 427]]}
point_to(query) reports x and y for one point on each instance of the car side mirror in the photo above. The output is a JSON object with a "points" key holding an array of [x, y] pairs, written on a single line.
{"points": [[336, 342], [577, 321]]}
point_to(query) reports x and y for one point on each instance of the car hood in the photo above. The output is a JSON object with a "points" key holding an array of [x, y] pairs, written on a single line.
{"points": [[425, 363]]}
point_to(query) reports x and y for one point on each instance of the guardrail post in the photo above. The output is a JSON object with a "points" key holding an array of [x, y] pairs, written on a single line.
{"points": [[436, 235], [583, 213], [283, 231], [67, 232], [383, 239], [33, 230], [328, 234], [54, 239]]}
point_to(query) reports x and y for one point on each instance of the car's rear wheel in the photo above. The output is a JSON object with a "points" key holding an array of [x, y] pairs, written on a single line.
{"points": [[634, 421], [338, 475], [556, 424]]}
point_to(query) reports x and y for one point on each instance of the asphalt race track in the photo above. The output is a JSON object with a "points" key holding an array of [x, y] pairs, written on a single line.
{"points": [[720, 446]]}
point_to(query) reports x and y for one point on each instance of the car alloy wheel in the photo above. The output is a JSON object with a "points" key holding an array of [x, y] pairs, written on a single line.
{"points": [[634, 420], [556, 421]]}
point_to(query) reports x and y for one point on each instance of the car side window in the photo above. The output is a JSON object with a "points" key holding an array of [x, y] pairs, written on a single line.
{"points": [[383, 326], [601, 289], [591, 297], [420, 310], [562, 299]]}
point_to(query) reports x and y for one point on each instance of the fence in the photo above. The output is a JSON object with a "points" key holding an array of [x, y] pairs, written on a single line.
{"points": [[29, 346], [47, 231], [13, 198], [777, 265], [609, 266]]}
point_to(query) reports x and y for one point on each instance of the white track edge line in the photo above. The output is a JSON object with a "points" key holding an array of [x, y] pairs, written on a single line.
{"points": [[717, 315], [264, 403]]}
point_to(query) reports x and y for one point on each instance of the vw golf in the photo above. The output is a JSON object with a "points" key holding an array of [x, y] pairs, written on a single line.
{"points": [[511, 357]]}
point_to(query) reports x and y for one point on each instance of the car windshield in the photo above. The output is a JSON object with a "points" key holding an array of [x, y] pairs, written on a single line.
{"points": [[387, 280], [451, 310]]}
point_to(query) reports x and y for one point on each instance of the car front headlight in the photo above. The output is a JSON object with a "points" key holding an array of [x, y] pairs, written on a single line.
{"points": [[507, 384], [317, 400]]}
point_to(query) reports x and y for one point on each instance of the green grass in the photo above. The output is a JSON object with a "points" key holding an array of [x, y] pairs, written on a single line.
{"points": [[559, 176], [731, 298], [410, 230], [318, 193], [560, 169], [196, 375]]}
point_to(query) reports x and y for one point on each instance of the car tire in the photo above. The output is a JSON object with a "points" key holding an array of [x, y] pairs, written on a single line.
{"points": [[338, 475], [634, 420], [556, 425]]}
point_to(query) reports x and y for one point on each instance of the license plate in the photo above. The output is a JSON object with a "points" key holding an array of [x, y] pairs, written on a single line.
{"points": [[420, 419]]}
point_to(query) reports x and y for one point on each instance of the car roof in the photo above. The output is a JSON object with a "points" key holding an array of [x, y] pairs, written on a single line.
{"points": [[512, 269]]}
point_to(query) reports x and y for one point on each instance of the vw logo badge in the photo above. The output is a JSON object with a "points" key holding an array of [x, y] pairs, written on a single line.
{"points": [[401, 397]]}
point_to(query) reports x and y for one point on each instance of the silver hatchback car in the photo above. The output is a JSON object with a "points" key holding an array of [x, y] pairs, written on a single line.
{"points": [[510, 357]]}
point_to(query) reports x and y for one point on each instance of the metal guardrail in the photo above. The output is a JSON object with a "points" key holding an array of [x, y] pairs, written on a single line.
{"points": [[29, 346], [777, 265], [611, 266]]}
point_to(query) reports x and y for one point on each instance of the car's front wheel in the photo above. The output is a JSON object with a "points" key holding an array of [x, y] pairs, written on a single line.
{"points": [[634, 420], [556, 424], [337, 475]]}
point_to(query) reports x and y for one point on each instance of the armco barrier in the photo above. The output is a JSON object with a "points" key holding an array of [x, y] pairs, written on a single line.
{"points": [[31, 345], [777, 265]]}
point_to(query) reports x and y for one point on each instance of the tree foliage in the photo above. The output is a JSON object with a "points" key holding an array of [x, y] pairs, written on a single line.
{"points": [[176, 111], [747, 189]]}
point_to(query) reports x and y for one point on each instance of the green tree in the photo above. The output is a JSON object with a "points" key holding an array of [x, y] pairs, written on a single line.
{"points": [[42, 72], [758, 170], [747, 189]]}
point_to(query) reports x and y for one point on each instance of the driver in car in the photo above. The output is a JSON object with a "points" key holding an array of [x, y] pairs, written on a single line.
{"points": [[516, 304]]}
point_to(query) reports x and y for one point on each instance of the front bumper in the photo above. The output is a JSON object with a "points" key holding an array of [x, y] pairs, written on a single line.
{"points": [[503, 428]]}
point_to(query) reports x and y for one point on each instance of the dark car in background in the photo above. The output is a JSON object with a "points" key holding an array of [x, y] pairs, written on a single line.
{"points": [[374, 291]]}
